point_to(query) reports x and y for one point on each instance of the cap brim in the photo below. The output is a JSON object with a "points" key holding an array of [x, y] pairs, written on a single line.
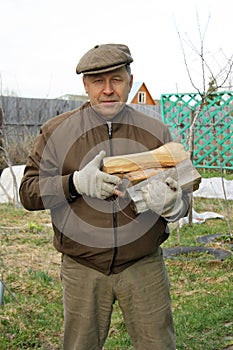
{"points": [[102, 70]]}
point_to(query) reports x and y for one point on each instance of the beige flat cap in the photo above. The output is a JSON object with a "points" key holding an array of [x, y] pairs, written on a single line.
{"points": [[104, 58]]}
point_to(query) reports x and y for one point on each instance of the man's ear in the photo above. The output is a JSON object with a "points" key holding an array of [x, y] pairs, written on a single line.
{"points": [[85, 84], [131, 82]]}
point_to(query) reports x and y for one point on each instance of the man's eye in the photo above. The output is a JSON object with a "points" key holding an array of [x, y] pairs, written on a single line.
{"points": [[117, 80]]}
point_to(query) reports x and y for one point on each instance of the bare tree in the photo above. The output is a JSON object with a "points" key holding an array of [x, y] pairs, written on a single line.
{"points": [[221, 74], [212, 81]]}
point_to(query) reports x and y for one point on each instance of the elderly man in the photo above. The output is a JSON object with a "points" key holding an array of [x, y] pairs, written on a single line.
{"points": [[108, 253]]}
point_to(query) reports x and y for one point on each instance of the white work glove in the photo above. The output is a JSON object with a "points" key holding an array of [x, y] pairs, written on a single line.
{"points": [[164, 198], [93, 182]]}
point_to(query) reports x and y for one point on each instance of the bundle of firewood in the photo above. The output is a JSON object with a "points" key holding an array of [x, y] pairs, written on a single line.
{"points": [[169, 160]]}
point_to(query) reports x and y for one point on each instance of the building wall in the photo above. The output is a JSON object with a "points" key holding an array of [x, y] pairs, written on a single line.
{"points": [[149, 99]]}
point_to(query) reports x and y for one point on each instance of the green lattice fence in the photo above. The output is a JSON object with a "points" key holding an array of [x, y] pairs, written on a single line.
{"points": [[213, 131]]}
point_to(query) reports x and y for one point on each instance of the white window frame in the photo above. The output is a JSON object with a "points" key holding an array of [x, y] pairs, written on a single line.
{"points": [[141, 97]]}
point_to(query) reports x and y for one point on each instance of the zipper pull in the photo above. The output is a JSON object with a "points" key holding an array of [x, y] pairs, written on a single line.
{"points": [[109, 123]]}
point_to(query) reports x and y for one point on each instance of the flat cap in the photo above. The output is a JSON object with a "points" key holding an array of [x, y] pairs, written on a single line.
{"points": [[104, 58]]}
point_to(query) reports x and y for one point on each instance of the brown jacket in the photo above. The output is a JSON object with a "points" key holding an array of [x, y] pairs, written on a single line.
{"points": [[103, 234]]}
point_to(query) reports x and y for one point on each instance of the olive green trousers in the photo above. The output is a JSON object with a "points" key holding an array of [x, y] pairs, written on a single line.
{"points": [[142, 291]]}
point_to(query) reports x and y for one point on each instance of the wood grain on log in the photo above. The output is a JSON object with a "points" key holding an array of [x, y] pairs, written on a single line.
{"points": [[167, 155]]}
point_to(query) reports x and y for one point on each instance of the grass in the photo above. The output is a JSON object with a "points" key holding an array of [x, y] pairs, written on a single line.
{"points": [[207, 173], [32, 314]]}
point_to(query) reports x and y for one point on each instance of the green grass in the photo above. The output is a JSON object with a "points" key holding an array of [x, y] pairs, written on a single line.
{"points": [[32, 314], [206, 173], [202, 303]]}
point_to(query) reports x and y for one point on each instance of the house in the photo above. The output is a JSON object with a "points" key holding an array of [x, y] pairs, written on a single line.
{"points": [[139, 94]]}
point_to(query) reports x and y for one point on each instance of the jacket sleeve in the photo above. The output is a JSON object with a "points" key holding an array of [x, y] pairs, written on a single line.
{"points": [[43, 186]]}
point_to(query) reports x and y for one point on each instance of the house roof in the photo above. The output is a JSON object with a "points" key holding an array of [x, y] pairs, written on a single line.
{"points": [[136, 86]]}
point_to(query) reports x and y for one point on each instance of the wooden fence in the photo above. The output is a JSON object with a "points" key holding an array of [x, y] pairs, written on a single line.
{"points": [[22, 115]]}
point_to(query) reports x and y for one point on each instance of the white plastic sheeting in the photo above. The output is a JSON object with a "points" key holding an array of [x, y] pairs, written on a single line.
{"points": [[7, 189], [214, 188], [199, 218], [209, 188]]}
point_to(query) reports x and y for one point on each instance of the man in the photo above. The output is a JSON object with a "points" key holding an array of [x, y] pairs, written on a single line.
{"points": [[108, 252]]}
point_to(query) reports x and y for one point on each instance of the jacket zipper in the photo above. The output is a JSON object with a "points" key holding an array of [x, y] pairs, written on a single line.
{"points": [[109, 124]]}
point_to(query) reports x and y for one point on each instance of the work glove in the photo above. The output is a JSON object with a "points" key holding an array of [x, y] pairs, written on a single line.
{"points": [[93, 182], [164, 198]]}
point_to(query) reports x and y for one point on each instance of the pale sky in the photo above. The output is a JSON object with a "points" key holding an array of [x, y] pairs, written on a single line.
{"points": [[41, 41]]}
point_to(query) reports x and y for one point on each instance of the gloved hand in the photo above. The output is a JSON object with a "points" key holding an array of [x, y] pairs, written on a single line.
{"points": [[164, 198], [93, 182]]}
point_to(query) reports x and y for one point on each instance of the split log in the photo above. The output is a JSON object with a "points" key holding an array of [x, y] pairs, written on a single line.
{"points": [[137, 176], [169, 160], [165, 156], [184, 173]]}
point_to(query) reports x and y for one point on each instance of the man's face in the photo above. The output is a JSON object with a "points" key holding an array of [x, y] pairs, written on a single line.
{"points": [[108, 92]]}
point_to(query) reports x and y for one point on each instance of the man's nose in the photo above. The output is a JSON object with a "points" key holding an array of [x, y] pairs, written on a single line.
{"points": [[108, 90]]}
